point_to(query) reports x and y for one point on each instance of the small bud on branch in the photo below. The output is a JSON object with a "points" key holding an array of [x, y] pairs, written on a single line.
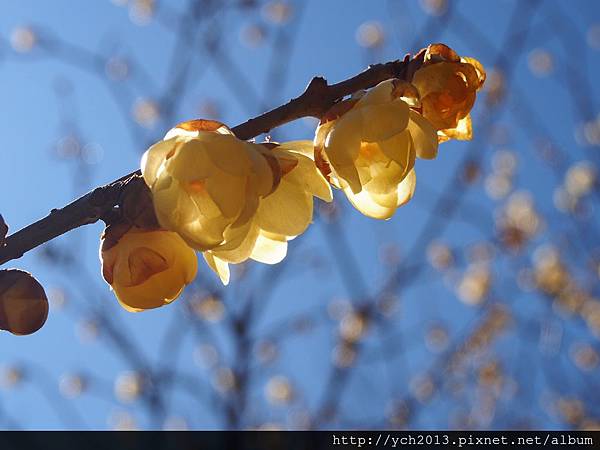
{"points": [[23, 302]]}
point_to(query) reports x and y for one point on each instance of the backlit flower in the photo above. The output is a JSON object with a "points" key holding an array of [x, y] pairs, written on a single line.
{"points": [[367, 147], [147, 268], [282, 215], [206, 183], [447, 84]]}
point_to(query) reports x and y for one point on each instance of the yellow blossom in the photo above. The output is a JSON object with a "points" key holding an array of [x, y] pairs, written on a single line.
{"points": [[367, 147], [282, 215], [206, 183], [447, 85], [147, 269]]}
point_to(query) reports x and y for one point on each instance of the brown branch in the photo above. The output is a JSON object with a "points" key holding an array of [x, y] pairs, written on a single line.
{"points": [[317, 98]]}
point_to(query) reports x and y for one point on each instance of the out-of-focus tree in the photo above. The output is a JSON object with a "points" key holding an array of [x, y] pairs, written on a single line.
{"points": [[476, 306]]}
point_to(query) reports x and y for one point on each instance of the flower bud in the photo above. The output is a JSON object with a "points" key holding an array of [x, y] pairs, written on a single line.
{"points": [[447, 84], [23, 302], [146, 269]]}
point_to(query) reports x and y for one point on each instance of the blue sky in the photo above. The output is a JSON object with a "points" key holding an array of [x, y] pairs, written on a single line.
{"points": [[34, 180]]}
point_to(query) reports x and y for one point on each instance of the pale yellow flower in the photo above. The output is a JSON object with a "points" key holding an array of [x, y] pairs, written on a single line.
{"points": [[282, 215], [447, 85], [147, 268], [206, 183], [367, 147]]}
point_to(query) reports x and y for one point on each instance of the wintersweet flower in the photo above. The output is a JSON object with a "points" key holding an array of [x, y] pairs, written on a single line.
{"points": [[283, 214], [447, 84], [367, 147], [23, 302], [206, 183], [146, 268]]}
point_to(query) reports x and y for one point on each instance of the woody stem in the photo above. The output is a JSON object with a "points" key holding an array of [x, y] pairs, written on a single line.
{"points": [[315, 101]]}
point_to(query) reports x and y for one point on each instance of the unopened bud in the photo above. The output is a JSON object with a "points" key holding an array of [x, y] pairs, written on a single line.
{"points": [[23, 302]]}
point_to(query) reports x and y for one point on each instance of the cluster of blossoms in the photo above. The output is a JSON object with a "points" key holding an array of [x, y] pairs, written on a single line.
{"points": [[234, 200]]}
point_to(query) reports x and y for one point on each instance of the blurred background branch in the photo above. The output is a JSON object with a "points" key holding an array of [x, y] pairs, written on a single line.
{"points": [[476, 306]]}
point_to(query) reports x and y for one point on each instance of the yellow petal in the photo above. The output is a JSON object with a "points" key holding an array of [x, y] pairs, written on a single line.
{"points": [[269, 248], [307, 177], [384, 179], [388, 200], [153, 158], [264, 177], [400, 149], [347, 175], [126, 307], [157, 291], [195, 217], [191, 162], [304, 147], [424, 136], [227, 192], [150, 268], [478, 68], [221, 268], [406, 189], [342, 144], [288, 211], [228, 153], [238, 247], [143, 263], [193, 128], [434, 77], [250, 208], [380, 94], [383, 121], [321, 133], [462, 132], [366, 205]]}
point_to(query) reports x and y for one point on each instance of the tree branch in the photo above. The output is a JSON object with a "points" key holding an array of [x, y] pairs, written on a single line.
{"points": [[316, 100]]}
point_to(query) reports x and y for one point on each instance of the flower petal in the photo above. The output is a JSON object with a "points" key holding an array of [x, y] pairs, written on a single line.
{"points": [[303, 147], [343, 141], [383, 121], [366, 205], [227, 152], [380, 94], [406, 189], [424, 136], [288, 211], [269, 248], [400, 149], [462, 132], [153, 158], [227, 192], [308, 178], [221, 268], [238, 245]]}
